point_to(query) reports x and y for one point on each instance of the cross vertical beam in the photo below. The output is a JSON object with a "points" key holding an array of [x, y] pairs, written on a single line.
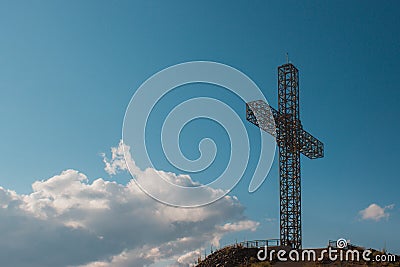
{"points": [[289, 156]]}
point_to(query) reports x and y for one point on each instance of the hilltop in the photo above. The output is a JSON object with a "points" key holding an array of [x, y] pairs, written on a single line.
{"points": [[241, 256]]}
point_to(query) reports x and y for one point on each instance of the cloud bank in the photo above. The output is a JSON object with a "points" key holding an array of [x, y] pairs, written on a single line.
{"points": [[67, 221]]}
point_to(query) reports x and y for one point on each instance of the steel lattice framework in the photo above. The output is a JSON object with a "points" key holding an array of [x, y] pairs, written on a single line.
{"points": [[292, 140]]}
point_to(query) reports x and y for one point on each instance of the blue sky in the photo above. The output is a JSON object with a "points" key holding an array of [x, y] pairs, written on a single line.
{"points": [[68, 70]]}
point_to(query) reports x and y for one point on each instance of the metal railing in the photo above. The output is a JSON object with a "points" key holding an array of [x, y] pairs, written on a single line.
{"points": [[259, 243]]}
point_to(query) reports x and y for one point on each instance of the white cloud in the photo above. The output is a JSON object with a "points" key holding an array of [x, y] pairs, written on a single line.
{"points": [[67, 221], [117, 162], [239, 226], [375, 212], [188, 258]]}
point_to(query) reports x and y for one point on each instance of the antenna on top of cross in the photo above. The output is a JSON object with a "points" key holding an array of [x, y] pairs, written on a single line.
{"points": [[287, 57]]}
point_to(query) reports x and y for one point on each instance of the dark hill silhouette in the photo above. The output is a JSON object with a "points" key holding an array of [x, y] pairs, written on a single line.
{"points": [[240, 255]]}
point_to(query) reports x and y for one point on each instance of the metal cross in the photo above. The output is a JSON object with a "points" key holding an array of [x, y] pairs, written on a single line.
{"points": [[292, 140]]}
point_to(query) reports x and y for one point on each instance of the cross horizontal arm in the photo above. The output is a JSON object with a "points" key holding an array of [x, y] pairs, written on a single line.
{"points": [[262, 115], [311, 147], [267, 118]]}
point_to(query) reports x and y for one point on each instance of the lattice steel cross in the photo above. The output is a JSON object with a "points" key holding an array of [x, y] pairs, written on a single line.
{"points": [[292, 140]]}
